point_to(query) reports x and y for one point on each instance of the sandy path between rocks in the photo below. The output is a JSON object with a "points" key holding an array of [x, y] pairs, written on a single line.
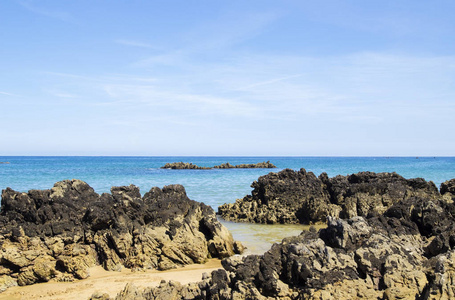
{"points": [[107, 282]]}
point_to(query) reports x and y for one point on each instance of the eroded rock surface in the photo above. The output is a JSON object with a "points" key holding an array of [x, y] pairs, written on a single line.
{"points": [[382, 256], [59, 233], [300, 197]]}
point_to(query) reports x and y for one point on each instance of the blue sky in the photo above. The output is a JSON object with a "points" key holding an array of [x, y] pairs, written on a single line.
{"points": [[261, 77]]}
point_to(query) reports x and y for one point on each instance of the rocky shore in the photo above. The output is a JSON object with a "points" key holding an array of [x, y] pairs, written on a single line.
{"points": [[191, 166], [58, 234], [300, 197], [406, 252], [387, 237]]}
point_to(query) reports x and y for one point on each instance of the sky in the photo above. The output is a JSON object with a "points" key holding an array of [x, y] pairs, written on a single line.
{"points": [[254, 78]]}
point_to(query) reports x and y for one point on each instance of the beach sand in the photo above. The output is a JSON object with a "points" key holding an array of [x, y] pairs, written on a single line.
{"points": [[107, 282]]}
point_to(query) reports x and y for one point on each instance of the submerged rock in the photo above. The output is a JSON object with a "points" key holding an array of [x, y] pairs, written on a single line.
{"points": [[59, 233], [300, 197]]}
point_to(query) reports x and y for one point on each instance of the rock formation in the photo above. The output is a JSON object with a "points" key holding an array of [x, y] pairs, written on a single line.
{"points": [[59, 233], [191, 166], [405, 253], [301, 197], [263, 165], [183, 166]]}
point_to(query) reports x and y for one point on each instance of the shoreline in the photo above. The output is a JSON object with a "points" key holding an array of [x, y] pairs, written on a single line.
{"points": [[110, 282]]}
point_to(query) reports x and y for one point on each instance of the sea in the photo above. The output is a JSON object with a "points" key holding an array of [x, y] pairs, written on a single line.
{"points": [[213, 187]]}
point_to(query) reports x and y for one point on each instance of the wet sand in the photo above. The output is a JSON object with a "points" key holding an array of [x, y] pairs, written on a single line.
{"points": [[107, 282]]}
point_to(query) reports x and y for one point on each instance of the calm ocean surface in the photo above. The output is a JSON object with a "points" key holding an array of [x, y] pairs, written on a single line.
{"points": [[213, 187]]}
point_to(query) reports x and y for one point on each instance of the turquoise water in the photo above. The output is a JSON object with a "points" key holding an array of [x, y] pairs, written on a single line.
{"points": [[213, 187]]}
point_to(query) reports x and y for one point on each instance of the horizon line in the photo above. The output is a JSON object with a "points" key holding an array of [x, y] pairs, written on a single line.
{"points": [[372, 156]]}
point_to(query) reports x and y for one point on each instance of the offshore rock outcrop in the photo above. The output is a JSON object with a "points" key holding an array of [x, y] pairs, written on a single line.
{"points": [[261, 165], [191, 166], [300, 197], [388, 256], [59, 233], [183, 166]]}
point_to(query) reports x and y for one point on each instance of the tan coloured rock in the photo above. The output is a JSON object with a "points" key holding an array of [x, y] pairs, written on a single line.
{"points": [[59, 234], [402, 279], [6, 282], [443, 287]]}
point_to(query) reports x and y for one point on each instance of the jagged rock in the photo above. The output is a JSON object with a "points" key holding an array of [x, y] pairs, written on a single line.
{"points": [[301, 197], [284, 197], [60, 233], [367, 192], [378, 257], [448, 189]]}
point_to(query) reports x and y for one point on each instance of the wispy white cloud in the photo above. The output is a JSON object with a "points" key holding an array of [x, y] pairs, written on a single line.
{"points": [[192, 104], [8, 94], [177, 58], [137, 44], [230, 30], [71, 75], [60, 94], [102, 78], [55, 14], [262, 83], [364, 90], [246, 70], [209, 38]]}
